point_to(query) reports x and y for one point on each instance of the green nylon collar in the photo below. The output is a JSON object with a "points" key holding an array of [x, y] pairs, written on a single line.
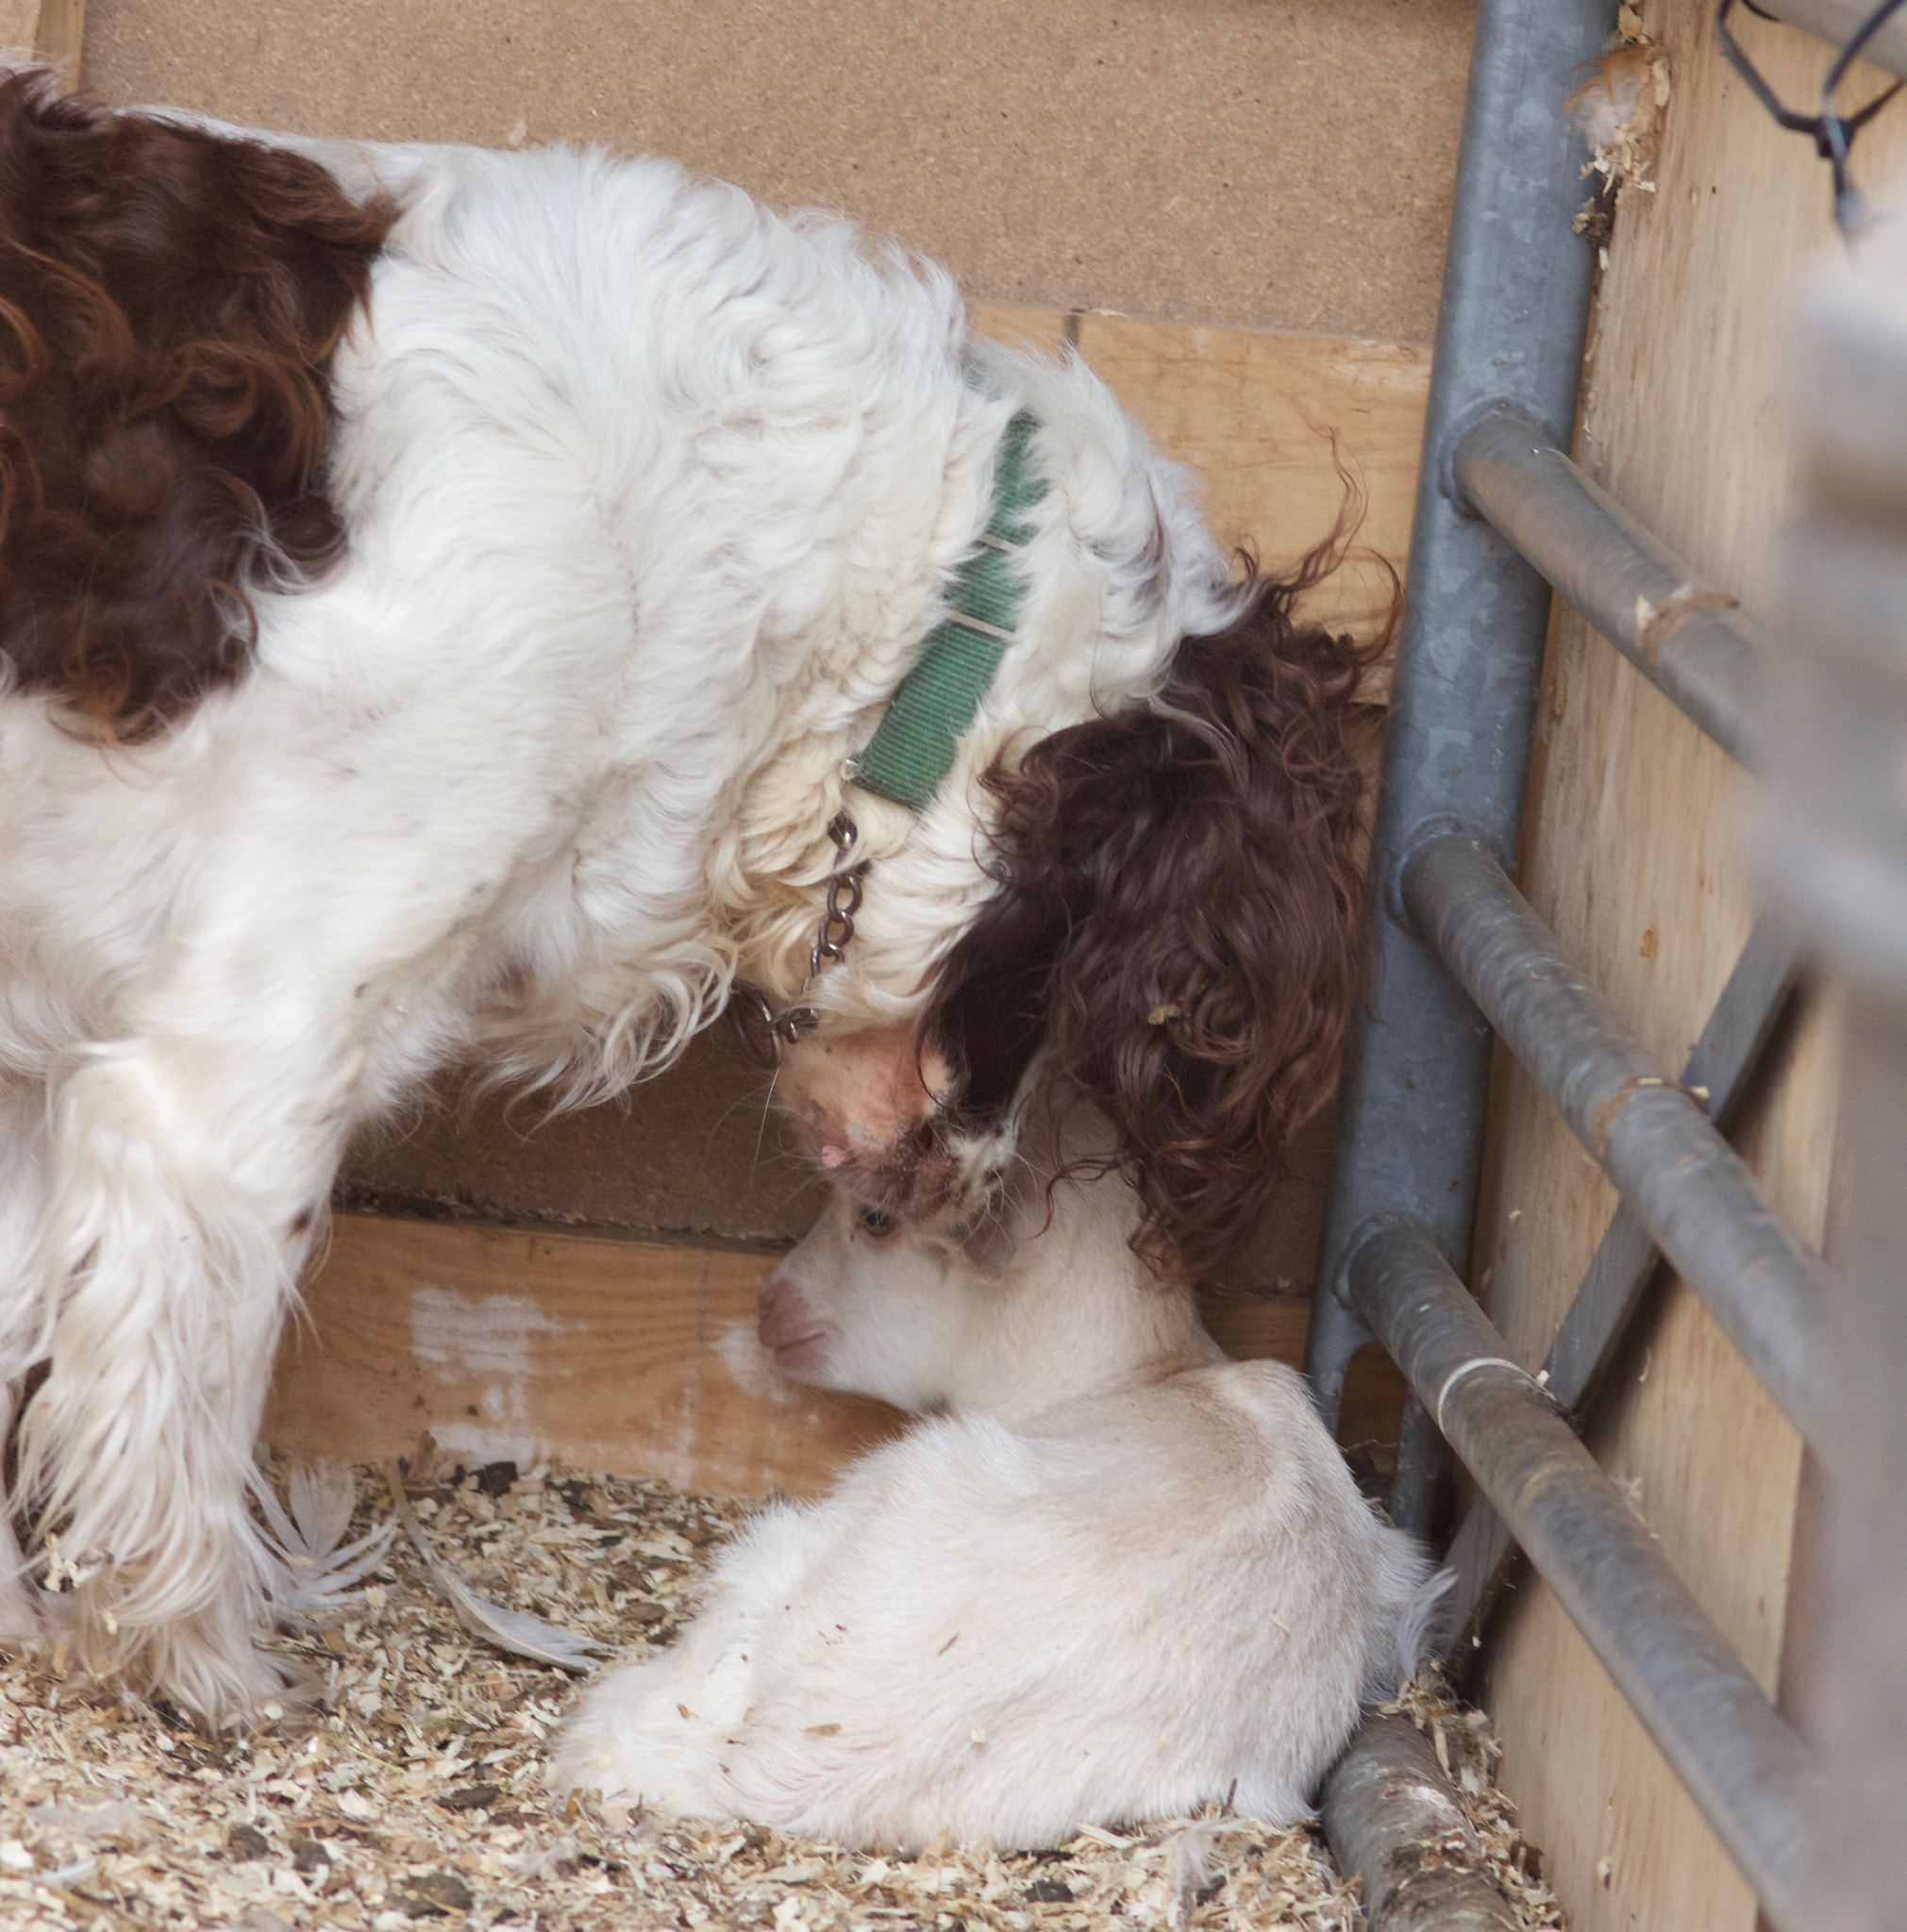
{"points": [[913, 747]]}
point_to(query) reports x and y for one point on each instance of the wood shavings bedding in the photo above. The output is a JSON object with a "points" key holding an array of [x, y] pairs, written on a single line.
{"points": [[408, 1789]]}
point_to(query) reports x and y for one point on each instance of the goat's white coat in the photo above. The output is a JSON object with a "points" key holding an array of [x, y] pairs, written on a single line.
{"points": [[650, 497], [1122, 1576]]}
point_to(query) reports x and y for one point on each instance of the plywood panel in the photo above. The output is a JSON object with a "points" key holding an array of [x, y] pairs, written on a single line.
{"points": [[1227, 163], [1638, 849], [607, 1355]]}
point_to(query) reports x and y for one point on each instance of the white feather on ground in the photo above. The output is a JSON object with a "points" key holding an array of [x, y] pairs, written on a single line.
{"points": [[516, 1631], [317, 1576]]}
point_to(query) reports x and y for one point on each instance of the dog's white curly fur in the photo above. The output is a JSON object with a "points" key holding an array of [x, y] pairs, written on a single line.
{"points": [[650, 495], [1120, 1576]]}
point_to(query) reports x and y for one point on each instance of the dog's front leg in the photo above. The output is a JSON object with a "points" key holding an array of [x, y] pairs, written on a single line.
{"points": [[22, 1176], [185, 1178]]}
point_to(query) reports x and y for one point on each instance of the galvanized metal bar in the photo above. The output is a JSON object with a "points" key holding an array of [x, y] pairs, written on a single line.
{"points": [[1686, 638], [1744, 1017], [1689, 1187], [1412, 1500], [1743, 1763], [1743, 1020], [1393, 1819], [1511, 328]]}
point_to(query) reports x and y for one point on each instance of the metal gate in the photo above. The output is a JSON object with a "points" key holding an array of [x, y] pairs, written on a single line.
{"points": [[1457, 957]]}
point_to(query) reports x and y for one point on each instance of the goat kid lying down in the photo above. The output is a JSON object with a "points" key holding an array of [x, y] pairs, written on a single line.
{"points": [[447, 600], [1116, 1575]]}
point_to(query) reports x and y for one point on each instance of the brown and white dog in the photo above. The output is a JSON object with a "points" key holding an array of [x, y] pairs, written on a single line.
{"points": [[441, 594]]}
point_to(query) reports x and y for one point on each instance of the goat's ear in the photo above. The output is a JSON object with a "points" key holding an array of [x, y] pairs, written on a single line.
{"points": [[1177, 926], [988, 1245], [1020, 1210]]}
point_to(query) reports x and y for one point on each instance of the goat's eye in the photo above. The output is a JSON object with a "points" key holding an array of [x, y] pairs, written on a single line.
{"points": [[876, 1223]]}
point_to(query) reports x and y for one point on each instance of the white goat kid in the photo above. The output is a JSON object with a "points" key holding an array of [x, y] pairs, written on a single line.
{"points": [[1121, 1577]]}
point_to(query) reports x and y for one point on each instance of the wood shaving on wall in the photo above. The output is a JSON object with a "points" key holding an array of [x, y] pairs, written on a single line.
{"points": [[1619, 110], [405, 1786]]}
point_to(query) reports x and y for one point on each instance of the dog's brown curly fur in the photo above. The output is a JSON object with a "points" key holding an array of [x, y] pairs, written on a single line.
{"points": [[1177, 929], [169, 302]]}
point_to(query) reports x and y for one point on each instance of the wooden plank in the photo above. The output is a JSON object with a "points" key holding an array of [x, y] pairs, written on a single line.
{"points": [[1256, 415], [607, 1355], [1637, 848], [48, 31], [1047, 330], [53, 28], [1262, 419], [506, 1342]]}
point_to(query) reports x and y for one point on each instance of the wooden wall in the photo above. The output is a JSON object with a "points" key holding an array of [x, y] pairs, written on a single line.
{"points": [[1639, 849], [1220, 161]]}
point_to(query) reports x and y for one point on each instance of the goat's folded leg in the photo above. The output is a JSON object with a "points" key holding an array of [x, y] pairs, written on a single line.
{"points": [[184, 1180]]}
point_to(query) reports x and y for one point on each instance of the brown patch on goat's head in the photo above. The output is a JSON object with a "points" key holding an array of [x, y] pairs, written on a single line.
{"points": [[169, 302], [1176, 935]]}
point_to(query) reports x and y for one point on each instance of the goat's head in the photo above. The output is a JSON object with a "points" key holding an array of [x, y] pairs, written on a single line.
{"points": [[1004, 1309], [863, 1302]]}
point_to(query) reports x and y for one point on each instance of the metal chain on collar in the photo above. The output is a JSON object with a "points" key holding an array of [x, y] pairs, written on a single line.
{"points": [[760, 1029], [837, 923]]}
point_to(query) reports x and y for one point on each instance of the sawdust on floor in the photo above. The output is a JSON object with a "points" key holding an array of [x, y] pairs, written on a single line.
{"points": [[410, 1788]]}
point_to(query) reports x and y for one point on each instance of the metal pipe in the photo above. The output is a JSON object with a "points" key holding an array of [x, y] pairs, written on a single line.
{"points": [[1746, 1017], [1392, 1820], [1510, 328], [1765, 1287], [1419, 1472], [1688, 640], [1742, 1762], [1744, 1021]]}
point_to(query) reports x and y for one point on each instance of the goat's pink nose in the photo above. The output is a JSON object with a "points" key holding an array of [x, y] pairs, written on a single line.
{"points": [[768, 1299], [788, 1325], [782, 1314]]}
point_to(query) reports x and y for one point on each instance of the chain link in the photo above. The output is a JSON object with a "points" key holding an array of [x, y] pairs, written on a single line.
{"points": [[761, 1028], [1831, 131]]}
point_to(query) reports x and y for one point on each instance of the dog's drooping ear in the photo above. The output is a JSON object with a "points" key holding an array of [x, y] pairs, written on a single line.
{"points": [[1177, 926]]}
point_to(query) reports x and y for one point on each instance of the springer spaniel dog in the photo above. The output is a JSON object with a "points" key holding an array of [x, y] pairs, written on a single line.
{"points": [[481, 607]]}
